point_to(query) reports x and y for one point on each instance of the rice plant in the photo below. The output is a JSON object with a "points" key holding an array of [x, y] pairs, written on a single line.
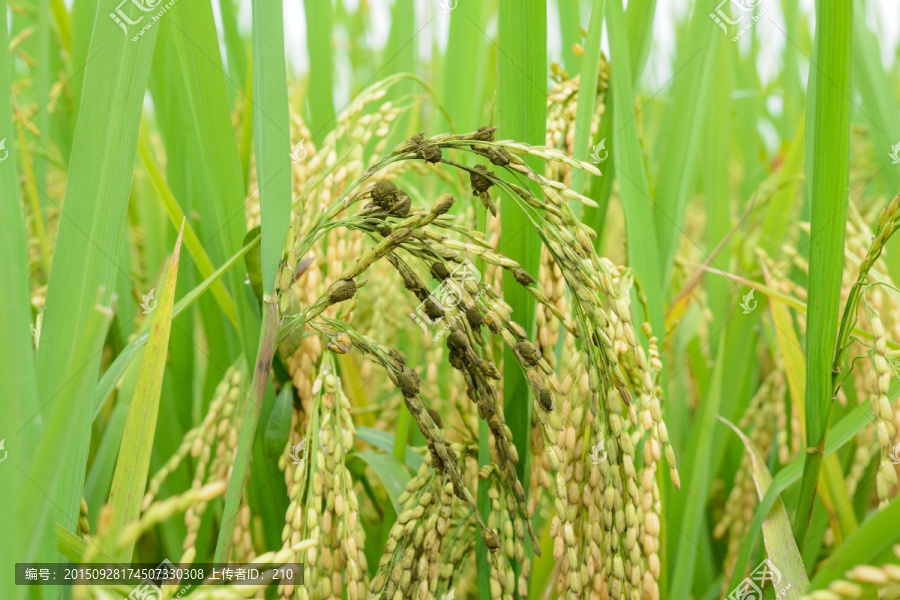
{"points": [[536, 299]]}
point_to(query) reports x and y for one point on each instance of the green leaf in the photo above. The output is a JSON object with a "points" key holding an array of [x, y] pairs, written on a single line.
{"points": [[523, 117], [639, 24], [390, 471], [678, 163], [783, 209], [279, 425], [587, 97], [522, 88], [469, 45], [570, 32], [120, 364], [130, 478], [830, 158], [880, 111], [699, 460], [877, 535], [255, 398], [191, 241], [253, 264], [780, 545], [92, 225], [238, 67], [70, 545], [717, 186], [789, 347], [189, 81], [385, 441], [634, 190], [18, 385], [843, 432], [319, 19], [42, 484], [273, 144], [270, 118]]}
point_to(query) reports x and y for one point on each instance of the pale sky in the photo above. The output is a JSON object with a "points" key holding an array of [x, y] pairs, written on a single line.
{"points": [[883, 19]]}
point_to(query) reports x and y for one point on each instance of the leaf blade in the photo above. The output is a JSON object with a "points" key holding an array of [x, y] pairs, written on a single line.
{"points": [[132, 467]]}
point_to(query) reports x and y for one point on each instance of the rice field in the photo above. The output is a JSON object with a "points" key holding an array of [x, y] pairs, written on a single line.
{"points": [[449, 299]]}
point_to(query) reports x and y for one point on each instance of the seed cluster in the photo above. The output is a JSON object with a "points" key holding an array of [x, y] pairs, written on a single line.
{"points": [[409, 567], [324, 506], [879, 383], [611, 512]]}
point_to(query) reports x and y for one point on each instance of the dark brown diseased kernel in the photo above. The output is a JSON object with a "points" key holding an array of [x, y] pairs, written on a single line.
{"points": [[480, 180], [383, 192], [474, 317], [490, 539], [495, 425], [436, 417], [436, 460], [341, 290], [409, 382], [485, 133], [488, 370], [439, 271], [400, 207], [458, 491], [527, 353], [523, 277], [492, 324], [497, 156], [433, 311], [546, 399], [397, 355], [457, 340], [430, 154]]}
